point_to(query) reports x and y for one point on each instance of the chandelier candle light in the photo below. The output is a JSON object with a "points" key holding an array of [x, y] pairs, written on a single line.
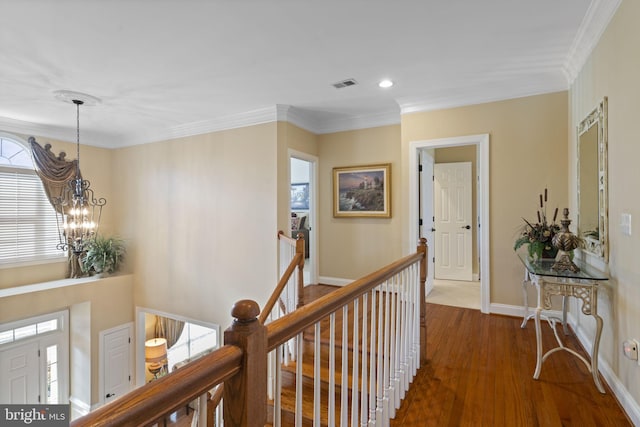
{"points": [[78, 211]]}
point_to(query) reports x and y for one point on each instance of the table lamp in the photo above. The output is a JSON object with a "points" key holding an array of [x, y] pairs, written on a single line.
{"points": [[155, 353]]}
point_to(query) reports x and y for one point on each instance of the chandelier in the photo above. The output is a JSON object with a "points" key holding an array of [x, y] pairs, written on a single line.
{"points": [[78, 211]]}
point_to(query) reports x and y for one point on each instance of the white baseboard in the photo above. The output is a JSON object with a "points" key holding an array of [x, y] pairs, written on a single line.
{"points": [[631, 407], [518, 311], [79, 407], [336, 281]]}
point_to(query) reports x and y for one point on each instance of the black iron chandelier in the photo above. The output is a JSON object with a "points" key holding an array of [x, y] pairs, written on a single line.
{"points": [[78, 211]]}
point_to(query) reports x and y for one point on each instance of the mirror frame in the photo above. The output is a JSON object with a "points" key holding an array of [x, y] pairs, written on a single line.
{"points": [[599, 117]]}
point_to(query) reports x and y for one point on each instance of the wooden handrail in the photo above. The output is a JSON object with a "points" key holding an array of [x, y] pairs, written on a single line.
{"points": [[295, 261], [286, 327], [154, 400]]}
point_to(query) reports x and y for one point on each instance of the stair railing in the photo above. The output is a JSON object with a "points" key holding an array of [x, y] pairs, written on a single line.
{"points": [[379, 379], [385, 311], [288, 291]]}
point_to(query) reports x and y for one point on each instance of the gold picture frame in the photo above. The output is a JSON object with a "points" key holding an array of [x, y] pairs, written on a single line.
{"points": [[362, 191]]}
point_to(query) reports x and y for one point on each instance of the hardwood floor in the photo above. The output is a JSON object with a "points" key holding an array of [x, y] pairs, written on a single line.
{"points": [[480, 373]]}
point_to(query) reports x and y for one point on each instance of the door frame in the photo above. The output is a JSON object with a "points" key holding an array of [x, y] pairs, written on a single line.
{"points": [[313, 208], [481, 141], [101, 350]]}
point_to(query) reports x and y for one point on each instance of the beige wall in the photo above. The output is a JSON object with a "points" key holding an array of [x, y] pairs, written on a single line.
{"points": [[465, 153], [528, 152], [612, 70], [353, 247], [201, 215]]}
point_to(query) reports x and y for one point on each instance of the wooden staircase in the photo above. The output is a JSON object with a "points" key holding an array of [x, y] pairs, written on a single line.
{"points": [[310, 353]]}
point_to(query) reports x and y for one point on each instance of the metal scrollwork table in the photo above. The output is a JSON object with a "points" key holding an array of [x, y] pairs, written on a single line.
{"points": [[582, 285]]}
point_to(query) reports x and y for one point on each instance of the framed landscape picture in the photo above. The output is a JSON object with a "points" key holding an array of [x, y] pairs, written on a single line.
{"points": [[362, 191]]}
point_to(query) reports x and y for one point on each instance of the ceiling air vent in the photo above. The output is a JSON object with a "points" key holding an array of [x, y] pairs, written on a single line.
{"points": [[345, 83]]}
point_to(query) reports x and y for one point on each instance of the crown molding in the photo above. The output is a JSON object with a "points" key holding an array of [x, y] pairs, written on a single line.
{"points": [[593, 25], [347, 123], [231, 121], [59, 133], [319, 122], [313, 121], [481, 96]]}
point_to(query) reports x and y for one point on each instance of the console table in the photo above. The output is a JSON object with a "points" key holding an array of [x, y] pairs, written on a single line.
{"points": [[582, 285]]}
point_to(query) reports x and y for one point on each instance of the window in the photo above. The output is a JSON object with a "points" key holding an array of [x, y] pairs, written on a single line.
{"points": [[194, 340], [29, 330], [28, 229]]}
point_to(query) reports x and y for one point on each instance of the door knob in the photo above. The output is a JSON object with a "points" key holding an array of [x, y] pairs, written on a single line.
{"points": [[110, 395], [468, 227]]}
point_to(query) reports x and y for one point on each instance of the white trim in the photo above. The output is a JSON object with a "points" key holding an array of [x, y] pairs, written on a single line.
{"points": [[141, 335], [101, 334], [317, 122], [313, 212], [335, 281], [518, 311], [79, 408], [627, 401], [591, 29], [482, 143], [55, 284]]}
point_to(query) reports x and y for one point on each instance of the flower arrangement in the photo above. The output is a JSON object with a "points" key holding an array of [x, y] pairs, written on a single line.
{"points": [[538, 236]]}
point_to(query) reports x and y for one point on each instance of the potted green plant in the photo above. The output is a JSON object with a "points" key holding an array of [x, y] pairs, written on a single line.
{"points": [[103, 255]]}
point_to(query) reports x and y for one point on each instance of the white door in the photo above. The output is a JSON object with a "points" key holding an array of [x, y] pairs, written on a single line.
{"points": [[19, 371], [426, 209], [303, 169], [116, 366], [453, 219]]}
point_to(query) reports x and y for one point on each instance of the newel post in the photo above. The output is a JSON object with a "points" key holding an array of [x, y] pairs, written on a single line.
{"points": [[422, 248], [245, 394]]}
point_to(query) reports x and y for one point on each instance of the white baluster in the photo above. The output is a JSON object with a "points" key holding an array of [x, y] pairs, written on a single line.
{"points": [[298, 414], [355, 368], [316, 376], [372, 361], [364, 411], [331, 416], [277, 402], [386, 407], [344, 391]]}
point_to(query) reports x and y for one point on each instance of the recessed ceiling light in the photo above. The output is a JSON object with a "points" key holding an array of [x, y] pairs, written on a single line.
{"points": [[385, 83]]}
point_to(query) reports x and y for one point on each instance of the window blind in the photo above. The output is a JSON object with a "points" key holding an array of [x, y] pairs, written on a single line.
{"points": [[28, 229]]}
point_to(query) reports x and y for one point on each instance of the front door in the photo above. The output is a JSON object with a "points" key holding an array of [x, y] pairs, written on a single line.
{"points": [[453, 219], [19, 371]]}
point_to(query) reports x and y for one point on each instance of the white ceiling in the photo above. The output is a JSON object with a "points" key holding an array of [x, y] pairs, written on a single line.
{"points": [[170, 68]]}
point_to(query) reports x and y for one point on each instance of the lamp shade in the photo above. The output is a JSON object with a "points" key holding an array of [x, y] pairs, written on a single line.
{"points": [[155, 350]]}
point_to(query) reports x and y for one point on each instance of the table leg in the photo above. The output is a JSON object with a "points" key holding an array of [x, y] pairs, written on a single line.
{"points": [[536, 374], [594, 353], [564, 314], [526, 299]]}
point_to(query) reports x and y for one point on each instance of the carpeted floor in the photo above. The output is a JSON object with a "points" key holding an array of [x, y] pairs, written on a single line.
{"points": [[454, 293]]}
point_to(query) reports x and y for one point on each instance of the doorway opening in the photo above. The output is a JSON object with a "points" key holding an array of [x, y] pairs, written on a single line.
{"points": [[303, 208], [421, 205]]}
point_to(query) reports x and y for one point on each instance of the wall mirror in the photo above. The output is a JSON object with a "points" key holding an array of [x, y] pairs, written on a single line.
{"points": [[593, 208]]}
